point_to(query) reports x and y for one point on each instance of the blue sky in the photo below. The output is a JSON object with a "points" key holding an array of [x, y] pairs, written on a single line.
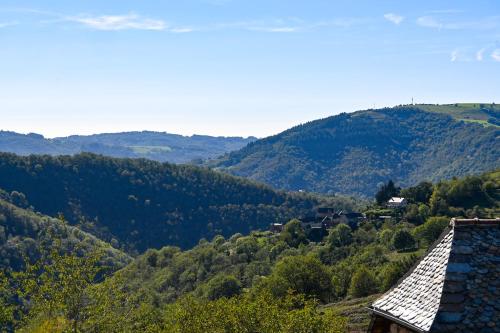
{"points": [[234, 67]]}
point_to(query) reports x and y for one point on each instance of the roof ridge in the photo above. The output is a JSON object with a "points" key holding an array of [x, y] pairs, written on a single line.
{"points": [[456, 222]]}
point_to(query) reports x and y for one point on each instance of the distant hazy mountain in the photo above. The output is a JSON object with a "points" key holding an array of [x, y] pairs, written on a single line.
{"points": [[352, 153], [158, 146]]}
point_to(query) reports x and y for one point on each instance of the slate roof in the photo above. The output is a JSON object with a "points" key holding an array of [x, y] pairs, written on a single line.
{"points": [[455, 287]]}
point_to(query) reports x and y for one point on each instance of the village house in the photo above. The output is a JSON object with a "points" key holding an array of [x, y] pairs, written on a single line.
{"points": [[276, 227], [454, 288], [324, 219], [397, 202]]}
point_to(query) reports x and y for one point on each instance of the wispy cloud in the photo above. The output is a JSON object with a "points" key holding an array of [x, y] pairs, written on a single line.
{"points": [[495, 55], [430, 22], [480, 54], [7, 24], [486, 23], [288, 25], [454, 55], [394, 18], [118, 22], [446, 11], [274, 29]]}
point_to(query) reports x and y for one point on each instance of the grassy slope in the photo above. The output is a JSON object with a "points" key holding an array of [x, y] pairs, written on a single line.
{"points": [[468, 112], [356, 310]]}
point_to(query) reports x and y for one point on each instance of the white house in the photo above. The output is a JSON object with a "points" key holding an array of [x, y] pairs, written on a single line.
{"points": [[397, 202]]}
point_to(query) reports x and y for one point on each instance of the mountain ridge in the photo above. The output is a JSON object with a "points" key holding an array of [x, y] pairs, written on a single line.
{"points": [[160, 146], [351, 153]]}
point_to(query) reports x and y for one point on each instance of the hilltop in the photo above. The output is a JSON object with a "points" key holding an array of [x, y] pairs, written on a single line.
{"points": [[159, 146], [353, 153], [485, 114]]}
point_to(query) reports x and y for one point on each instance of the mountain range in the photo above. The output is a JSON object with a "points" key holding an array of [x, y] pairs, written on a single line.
{"points": [[353, 153], [159, 146]]}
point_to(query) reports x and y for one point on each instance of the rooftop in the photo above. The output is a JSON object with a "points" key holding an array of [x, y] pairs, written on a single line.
{"points": [[396, 200], [456, 286]]}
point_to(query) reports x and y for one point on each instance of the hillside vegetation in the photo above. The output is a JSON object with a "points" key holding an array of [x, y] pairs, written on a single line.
{"points": [[347, 264], [163, 147], [261, 282], [354, 153], [141, 204], [27, 235]]}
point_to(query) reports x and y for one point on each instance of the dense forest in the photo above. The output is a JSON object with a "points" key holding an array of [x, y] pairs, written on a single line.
{"points": [[353, 153], [26, 234], [163, 147], [260, 282], [139, 204]]}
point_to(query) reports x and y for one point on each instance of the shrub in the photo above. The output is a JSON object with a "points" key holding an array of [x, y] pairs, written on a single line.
{"points": [[403, 240], [223, 286], [431, 229], [363, 283], [341, 235]]}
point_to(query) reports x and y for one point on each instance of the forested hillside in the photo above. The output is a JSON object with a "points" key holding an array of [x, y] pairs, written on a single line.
{"points": [[163, 147], [170, 272], [26, 235], [262, 282], [141, 204], [353, 153]]}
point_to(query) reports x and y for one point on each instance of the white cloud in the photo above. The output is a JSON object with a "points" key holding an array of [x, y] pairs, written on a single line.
{"points": [[495, 55], [479, 54], [394, 18], [485, 23], [7, 24], [119, 22], [446, 11], [429, 22], [274, 29], [181, 30]]}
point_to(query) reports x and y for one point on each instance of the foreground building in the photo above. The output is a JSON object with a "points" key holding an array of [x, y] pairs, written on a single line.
{"points": [[454, 288]]}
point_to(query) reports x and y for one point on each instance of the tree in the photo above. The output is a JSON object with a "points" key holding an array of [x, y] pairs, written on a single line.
{"points": [[386, 192], [431, 229], [363, 283], [393, 271], [260, 313], [341, 235], [55, 286], [403, 240], [7, 309], [412, 214], [302, 274], [385, 237], [293, 234], [418, 194], [223, 286]]}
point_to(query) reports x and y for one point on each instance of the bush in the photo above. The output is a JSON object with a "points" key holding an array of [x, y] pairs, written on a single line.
{"points": [[341, 235], [223, 286], [431, 229], [393, 271], [385, 237], [302, 274], [403, 240], [363, 283], [293, 234]]}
